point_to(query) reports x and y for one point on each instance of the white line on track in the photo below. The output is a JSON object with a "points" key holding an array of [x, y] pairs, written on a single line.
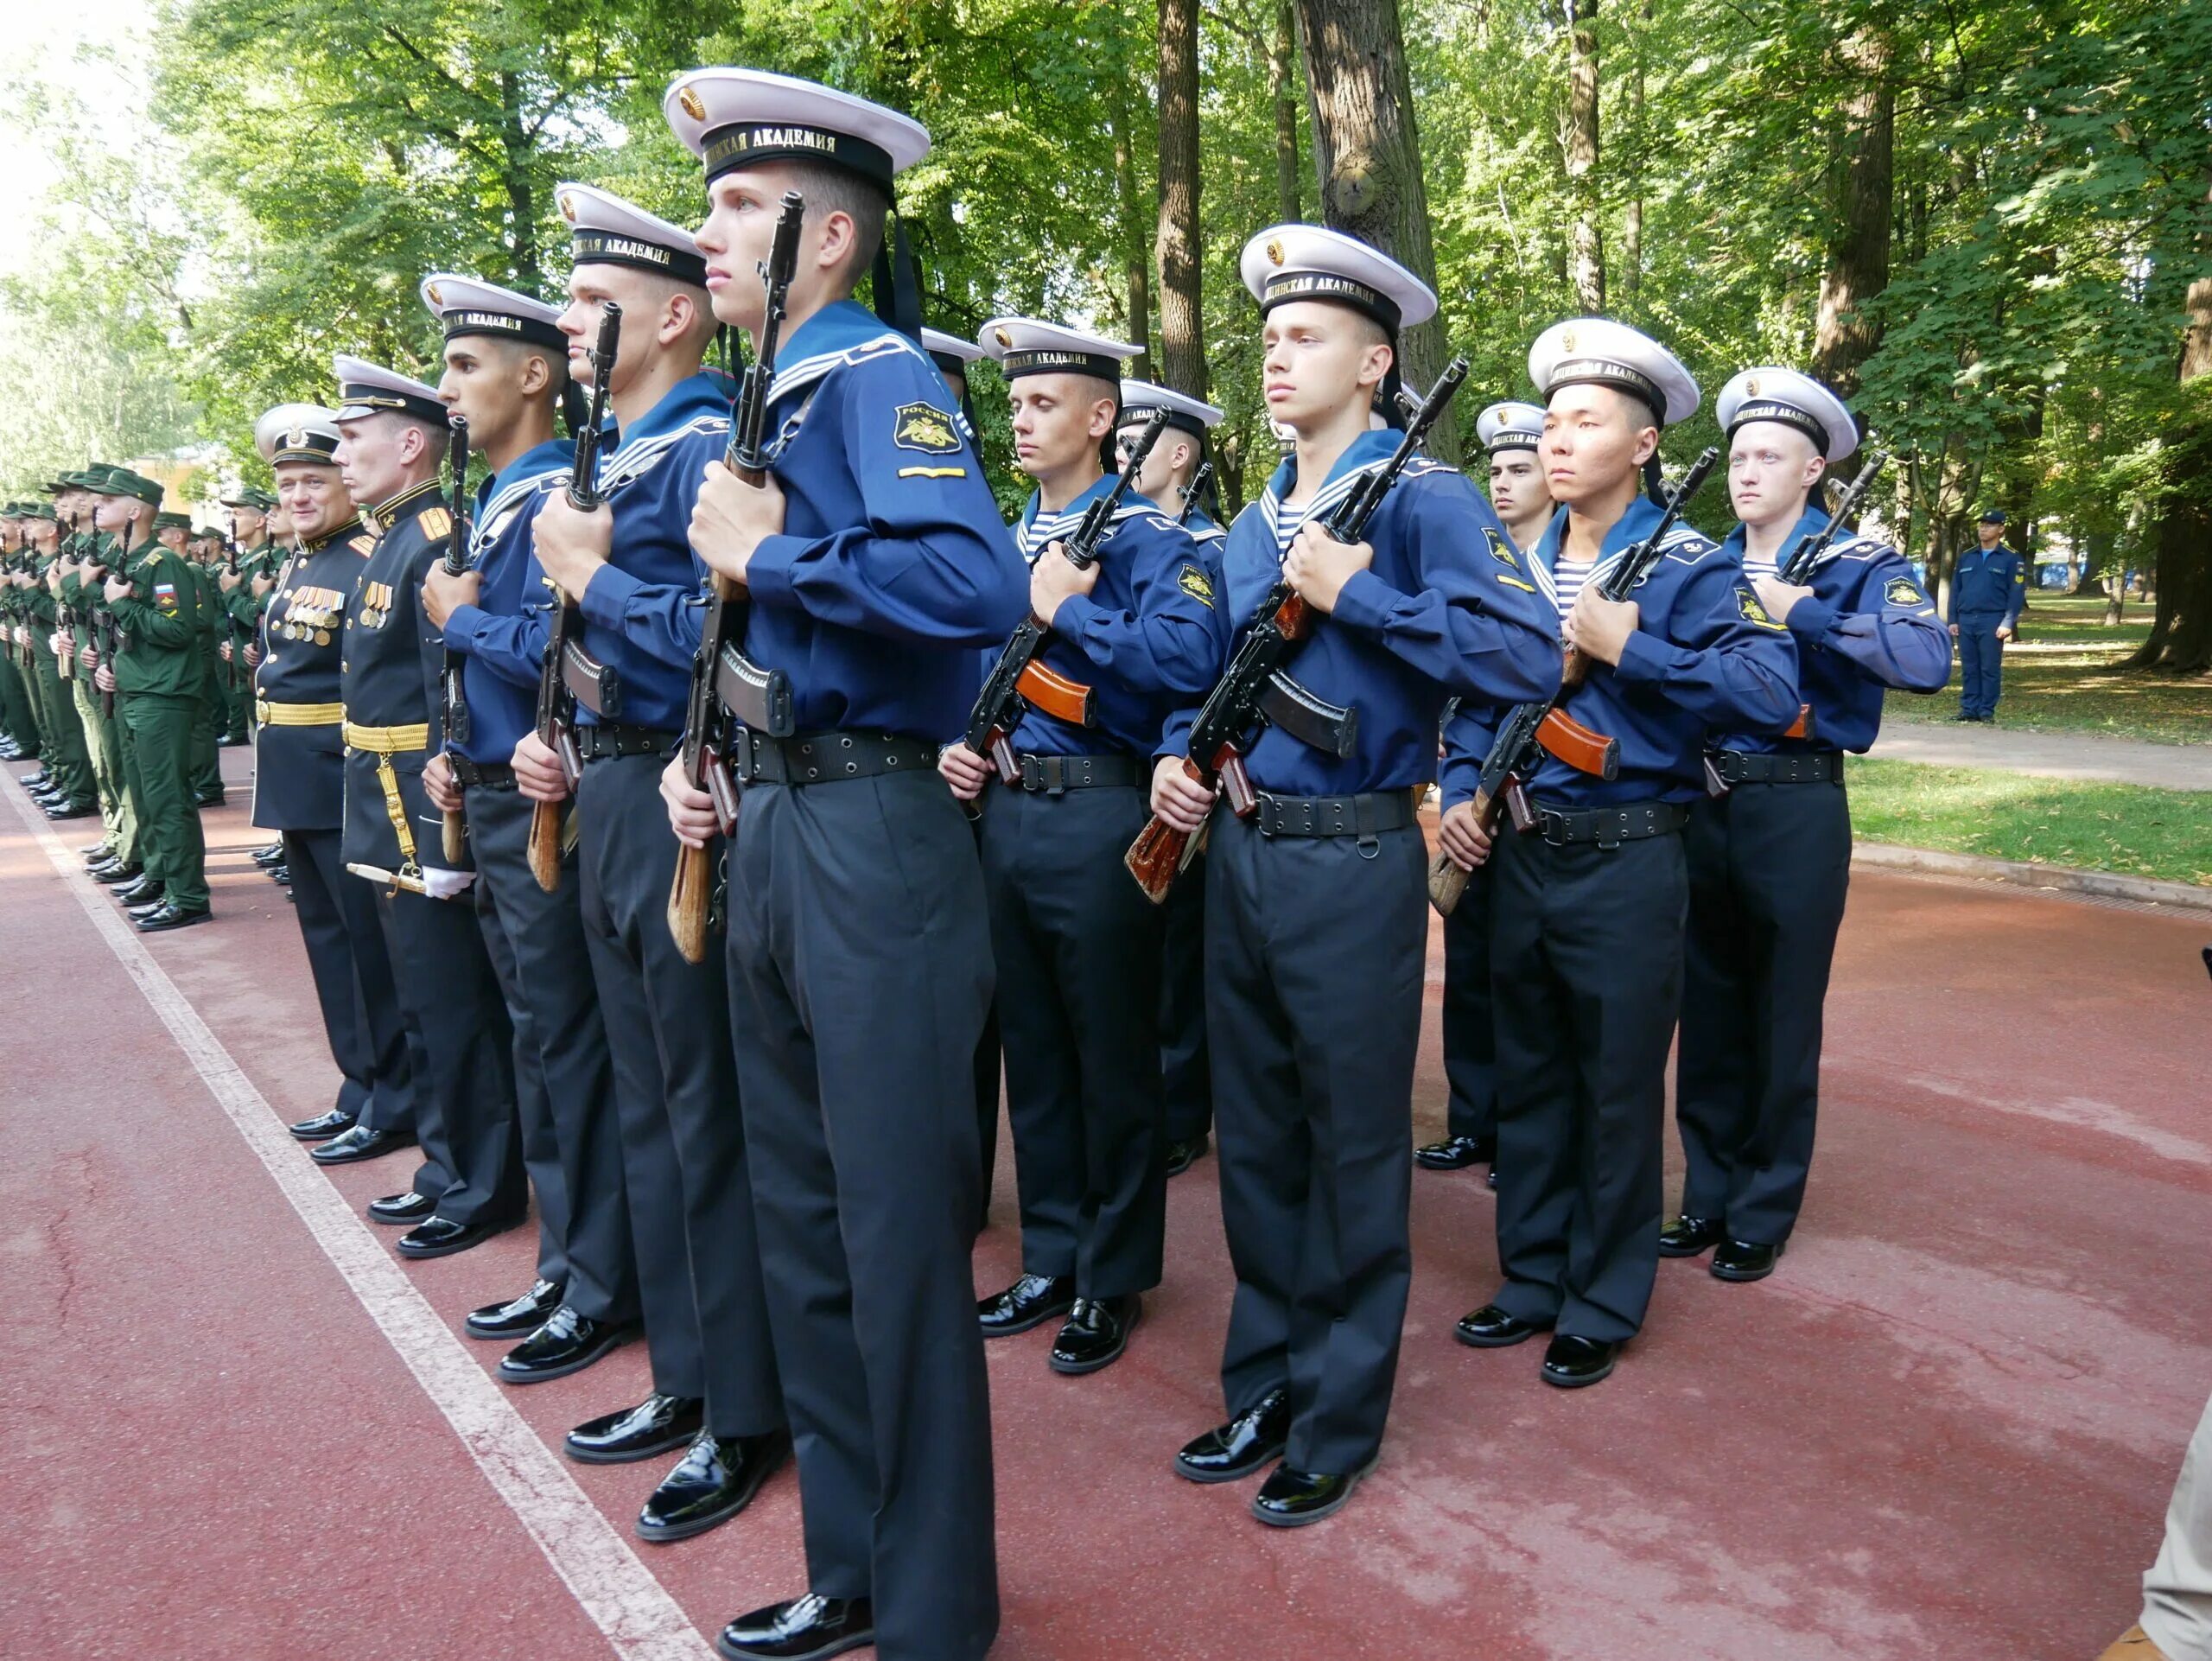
{"points": [[618, 1593]]}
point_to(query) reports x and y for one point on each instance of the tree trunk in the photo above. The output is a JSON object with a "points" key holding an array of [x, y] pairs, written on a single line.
{"points": [[1586, 260], [1136, 264], [1859, 245], [1177, 246], [1282, 74], [522, 193], [1367, 155], [1632, 221]]}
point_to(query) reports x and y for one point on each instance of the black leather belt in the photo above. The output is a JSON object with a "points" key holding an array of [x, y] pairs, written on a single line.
{"points": [[1802, 767], [1054, 774], [611, 738], [825, 758], [1365, 816], [480, 775], [1609, 827]]}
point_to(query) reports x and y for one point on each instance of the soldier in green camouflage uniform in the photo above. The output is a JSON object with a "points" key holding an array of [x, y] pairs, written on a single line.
{"points": [[21, 739], [68, 790]]}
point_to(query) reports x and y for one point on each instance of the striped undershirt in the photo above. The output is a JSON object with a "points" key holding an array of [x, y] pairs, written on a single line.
{"points": [[1567, 583]]}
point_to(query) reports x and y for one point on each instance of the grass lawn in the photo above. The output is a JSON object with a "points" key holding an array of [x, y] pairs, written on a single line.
{"points": [[2129, 828], [2053, 680]]}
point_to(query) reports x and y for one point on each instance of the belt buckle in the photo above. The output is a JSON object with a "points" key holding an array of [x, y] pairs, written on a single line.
{"points": [[1553, 822], [1269, 817]]}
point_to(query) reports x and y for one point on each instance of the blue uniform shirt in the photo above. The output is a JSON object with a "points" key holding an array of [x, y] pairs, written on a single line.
{"points": [[894, 570], [1867, 626], [503, 645], [1704, 654], [1989, 587], [1444, 608], [1152, 637]]}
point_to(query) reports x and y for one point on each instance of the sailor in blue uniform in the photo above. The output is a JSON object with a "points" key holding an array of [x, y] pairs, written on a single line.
{"points": [[506, 371], [1170, 474], [1510, 432], [1989, 588], [300, 791], [878, 572], [1076, 944], [631, 570], [1316, 926], [1586, 905], [391, 447], [1770, 859]]}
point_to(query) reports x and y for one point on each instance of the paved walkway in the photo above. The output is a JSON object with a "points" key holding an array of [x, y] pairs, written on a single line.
{"points": [[2052, 755]]}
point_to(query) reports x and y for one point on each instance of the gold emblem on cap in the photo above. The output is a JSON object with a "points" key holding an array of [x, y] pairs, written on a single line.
{"points": [[1567, 340], [1275, 250], [1752, 387], [1004, 339], [436, 298], [691, 103], [295, 440], [568, 208]]}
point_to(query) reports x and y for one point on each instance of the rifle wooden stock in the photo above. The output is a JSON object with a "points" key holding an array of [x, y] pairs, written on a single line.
{"points": [[545, 844], [1803, 727], [1056, 695], [1447, 883], [452, 838], [688, 898], [1596, 753], [1160, 851]]}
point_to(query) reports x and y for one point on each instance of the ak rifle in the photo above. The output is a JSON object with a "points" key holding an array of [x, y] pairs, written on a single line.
{"points": [[1194, 492], [1019, 680], [728, 688], [1256, 692], [452, 706], [1797, 571], [1544, 726], [556, 702]]}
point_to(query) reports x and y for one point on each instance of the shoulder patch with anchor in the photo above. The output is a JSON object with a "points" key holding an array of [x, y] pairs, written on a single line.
{"points": [[1748, 606], [1499, 550], [1196, 584], [1901, 591], [924, 426]]}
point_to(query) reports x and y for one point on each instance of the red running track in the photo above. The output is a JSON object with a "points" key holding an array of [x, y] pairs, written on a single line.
{"points": [[1948, 1426]]}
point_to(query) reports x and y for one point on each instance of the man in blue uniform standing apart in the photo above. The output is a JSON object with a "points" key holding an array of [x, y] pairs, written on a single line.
{"points": [[1770, 857], [1076, 943], [877, 570], [1989, 588], [1316, 905], [506, 372]]}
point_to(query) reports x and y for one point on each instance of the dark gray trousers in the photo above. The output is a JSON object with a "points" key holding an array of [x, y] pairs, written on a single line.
{"points": [[1470, 1028], [1185, 1073], [353, 985]]}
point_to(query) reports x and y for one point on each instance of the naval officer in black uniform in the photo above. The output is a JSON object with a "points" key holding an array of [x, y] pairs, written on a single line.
{"points": [[391, 446]]}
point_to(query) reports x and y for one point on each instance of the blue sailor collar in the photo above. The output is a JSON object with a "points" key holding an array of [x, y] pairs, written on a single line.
{"points": [[840, 333], [537, 470], [1367, 451], [698, 402], [1033, 536], [1631, 527], [1810, 522]]}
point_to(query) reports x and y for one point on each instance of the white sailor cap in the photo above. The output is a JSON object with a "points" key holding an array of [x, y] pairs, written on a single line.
{"points": [[1510, 426], [366, 388], [1141, 399], [466, 306], [1309, 262], [733, 118], [1597, 351], [1772, 393], [604, 229], [297, 432], [951, 353], [1025, 347]]}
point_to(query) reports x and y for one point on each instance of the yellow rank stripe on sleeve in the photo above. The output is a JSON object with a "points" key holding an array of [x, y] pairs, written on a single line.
{"points": [[932, 472]]}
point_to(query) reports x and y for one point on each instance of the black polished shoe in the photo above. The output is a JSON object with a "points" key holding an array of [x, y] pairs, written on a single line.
{"points": [[441, 1237], [403, 1210], [567, 1343], [1744, 1260], [72, 810], [38, 780], [111, 872], [654, 1425], [1030, 1302], [103, 849], [140, 913], [216, 801], [142, 891], [1096, 1333], [323, 1126], [517, 1317], [710, 1483], [1687, 1236], [272, 855], [359, 1142], [1456, 1153], [173, 916], [1252, 1439], [803, 1629], [1181, 1155], [1570, 1362], [1290, 1500], [282, 876], [1491, 1328]]}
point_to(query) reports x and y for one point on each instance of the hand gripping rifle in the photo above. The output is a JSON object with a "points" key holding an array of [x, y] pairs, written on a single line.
{"points": [[1544, 725], [1195, 491], [453, 707], [1256, 692], [1019, 680], [723, 679], [111, 629], [1804, 559], [556, 702]]}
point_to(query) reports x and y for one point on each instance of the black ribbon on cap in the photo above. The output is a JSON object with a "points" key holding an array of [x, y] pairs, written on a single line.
{"points": [[752, 142], [1788, 414], [594, 246]]}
